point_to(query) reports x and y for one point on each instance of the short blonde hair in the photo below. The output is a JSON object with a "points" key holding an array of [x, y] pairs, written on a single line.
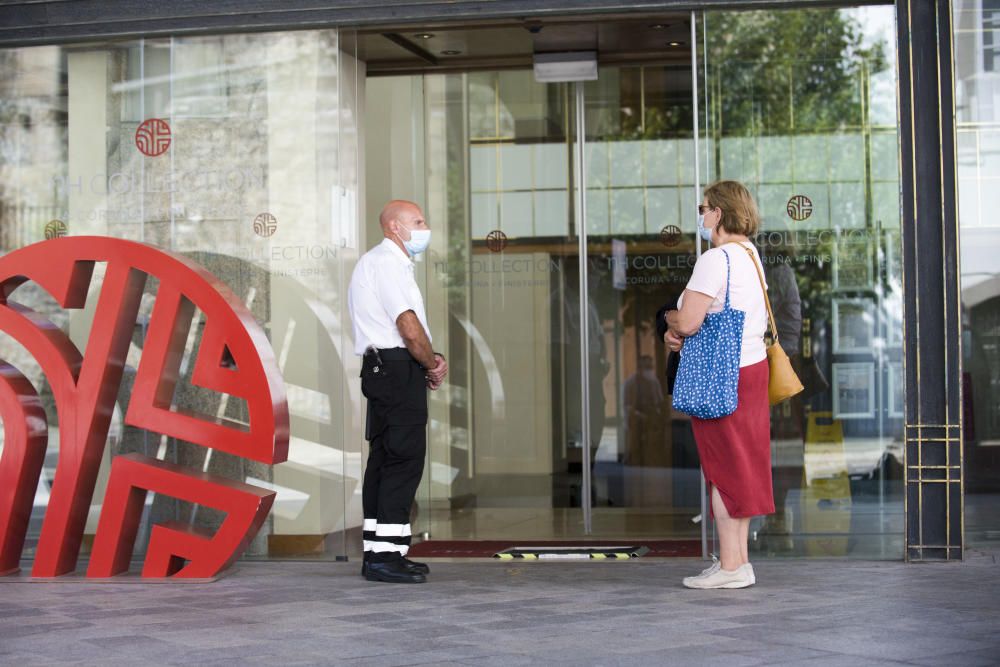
{"points": [[739, 210]]}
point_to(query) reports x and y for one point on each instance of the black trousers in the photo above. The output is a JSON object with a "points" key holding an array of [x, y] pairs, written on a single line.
{"points": [[396, 389]]}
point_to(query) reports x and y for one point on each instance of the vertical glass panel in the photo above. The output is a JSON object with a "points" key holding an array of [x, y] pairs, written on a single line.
{"points": [[661, 162], [516, 214], [516, 167], [663, 204], [551, 213], [484, 119], [598, 203], [813, 136], [485, 213], [626, 163], [977, 39], [503, 305], [191, 145], [812, 162], [628, 211], [774, 157], [736, 159], [645, 474], [598, 164], [551, 168], [847, 157], [967, 170], [483, 167]]}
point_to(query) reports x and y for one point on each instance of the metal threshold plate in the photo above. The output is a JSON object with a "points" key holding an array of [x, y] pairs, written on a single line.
{"points": [[611, 552]]}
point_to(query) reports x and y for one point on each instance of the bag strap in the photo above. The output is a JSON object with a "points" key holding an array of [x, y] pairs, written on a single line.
{"points": [[727, 277], [767, 301]]}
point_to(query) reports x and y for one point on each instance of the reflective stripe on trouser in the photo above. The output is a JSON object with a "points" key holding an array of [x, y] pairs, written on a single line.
{"points": [[395, 465], [385, 538]]}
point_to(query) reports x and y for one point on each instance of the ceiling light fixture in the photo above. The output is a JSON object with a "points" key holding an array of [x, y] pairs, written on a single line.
{"points": [[675, 44], [424, 35], [450, 52]]}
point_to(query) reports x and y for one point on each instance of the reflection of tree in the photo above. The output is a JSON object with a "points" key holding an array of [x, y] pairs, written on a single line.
{"points": [[772, 73], [790, 71], [808, 76]]}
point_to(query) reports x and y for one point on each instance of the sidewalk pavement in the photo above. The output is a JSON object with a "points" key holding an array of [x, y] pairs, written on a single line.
{"points": [[800, 612]]}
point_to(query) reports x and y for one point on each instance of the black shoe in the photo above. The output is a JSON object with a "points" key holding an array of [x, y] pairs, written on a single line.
{"points": [[365, 559], [414, 566], [393, 572]]}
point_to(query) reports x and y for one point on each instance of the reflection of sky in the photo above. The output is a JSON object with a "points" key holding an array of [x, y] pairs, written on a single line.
{"points": [[878, 24]]}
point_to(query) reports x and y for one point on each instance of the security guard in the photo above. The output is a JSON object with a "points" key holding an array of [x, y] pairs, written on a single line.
{"points": [[398, 367]]}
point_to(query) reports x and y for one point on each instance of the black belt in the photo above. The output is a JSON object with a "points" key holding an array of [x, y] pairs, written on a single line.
{"points": [[392, 354]]}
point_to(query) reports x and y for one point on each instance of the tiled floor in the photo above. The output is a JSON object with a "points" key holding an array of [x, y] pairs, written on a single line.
{"points": [[492, 613]]}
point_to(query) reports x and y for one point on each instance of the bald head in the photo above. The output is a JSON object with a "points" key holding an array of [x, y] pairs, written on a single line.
{"points": [[399, 212], [399, 219]]}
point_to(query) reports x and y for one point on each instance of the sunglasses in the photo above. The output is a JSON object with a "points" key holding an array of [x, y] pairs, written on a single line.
{"points": [[703, 209]]}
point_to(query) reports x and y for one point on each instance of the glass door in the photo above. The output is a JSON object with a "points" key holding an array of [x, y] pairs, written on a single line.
{"points": [[642, 189], [555, 405], [806, 119], [557, 421], [507, 453]]}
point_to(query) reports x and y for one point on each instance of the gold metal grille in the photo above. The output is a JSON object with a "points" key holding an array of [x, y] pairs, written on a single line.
{"points": [[934, 457]]}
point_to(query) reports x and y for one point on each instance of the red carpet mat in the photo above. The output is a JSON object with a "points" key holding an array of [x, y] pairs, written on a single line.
{"points": [[486, 548]]}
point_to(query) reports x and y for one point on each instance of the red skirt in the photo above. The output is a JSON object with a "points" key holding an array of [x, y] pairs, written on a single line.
{"points": [[735, 450]]}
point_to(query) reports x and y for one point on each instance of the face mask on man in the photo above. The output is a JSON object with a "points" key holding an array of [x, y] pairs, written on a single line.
{"points": [[419, 240]]}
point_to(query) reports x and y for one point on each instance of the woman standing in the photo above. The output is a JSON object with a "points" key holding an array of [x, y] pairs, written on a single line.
{"points": [[735, 450]]}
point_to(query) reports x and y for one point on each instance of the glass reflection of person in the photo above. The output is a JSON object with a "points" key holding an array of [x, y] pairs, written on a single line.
{"points": [[787, 305], [597, 363], [787, 419], [643, 401]]}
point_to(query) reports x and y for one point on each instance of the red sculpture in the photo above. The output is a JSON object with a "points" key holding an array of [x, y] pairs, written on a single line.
{"points": [[25, 436], [234, 357]]}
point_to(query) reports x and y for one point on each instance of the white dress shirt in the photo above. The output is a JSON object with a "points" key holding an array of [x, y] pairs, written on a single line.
{"points": [[383, 288]]}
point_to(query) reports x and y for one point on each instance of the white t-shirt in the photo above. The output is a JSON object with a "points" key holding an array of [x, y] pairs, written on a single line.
{"points": [[709, 277], [383, 288]]}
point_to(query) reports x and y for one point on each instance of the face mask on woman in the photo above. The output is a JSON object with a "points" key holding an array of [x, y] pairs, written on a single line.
{"points": [[703, 231]]}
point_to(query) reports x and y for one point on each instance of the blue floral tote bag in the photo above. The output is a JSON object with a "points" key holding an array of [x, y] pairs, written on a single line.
{"points": [[709, 372]]}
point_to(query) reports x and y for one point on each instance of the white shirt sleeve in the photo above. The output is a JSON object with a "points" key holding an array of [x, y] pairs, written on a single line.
{"points": [[391, 282], [709, 275]]}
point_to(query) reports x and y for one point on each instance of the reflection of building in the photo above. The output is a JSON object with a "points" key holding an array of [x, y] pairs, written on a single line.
{"points": [[282, 140], [977, 85]]}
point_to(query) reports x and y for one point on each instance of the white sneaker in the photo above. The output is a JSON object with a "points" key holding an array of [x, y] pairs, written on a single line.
{"points": [[741, 577], [711, 569], [716, 564]]}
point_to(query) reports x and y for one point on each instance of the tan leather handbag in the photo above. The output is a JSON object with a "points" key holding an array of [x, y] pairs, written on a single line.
{"points": [[783, 383]]}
